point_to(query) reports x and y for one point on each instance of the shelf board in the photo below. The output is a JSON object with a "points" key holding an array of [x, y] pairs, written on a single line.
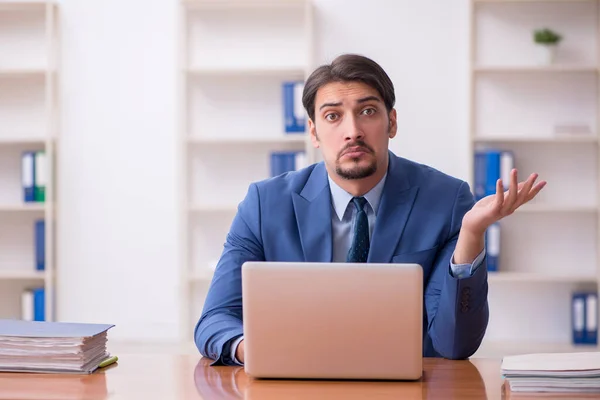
{"points": [[533, 277], [25, 207], [575, 138], [553, 208], [20, 72], [229, 4], [22, 275], [291, 138], [24, 5], [277, 72], [537, 69], [22, 141]]}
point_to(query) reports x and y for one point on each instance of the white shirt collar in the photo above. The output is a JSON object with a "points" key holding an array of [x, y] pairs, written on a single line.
{"points": [[340, 198]]}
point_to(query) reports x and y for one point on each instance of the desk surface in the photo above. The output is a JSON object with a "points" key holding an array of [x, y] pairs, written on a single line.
{"points": [[162, 376]]}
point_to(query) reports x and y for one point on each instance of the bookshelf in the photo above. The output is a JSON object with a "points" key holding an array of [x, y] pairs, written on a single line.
{"points": [[548, 116], [234, 57], [28, 122]]}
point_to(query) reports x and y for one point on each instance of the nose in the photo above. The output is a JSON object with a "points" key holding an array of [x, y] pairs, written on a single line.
{"points": [[352, 129]]}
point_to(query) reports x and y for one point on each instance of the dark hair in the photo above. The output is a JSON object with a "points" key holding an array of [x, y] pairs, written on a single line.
{"points": [[346, 68]]}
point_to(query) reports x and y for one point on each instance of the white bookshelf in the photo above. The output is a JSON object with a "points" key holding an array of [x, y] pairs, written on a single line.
{"points": [[549, 248], [28, 122], [234, 57]]}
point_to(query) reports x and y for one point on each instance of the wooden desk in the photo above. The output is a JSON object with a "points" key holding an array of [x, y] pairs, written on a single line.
{"points": [[162, 376]]}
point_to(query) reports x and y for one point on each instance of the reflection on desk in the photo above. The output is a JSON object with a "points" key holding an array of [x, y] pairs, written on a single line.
{"points": [[18, 385], [441, 379], [189, 376]]}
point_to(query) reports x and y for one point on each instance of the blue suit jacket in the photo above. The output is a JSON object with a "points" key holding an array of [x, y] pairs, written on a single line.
{"points": [[288, 218]]}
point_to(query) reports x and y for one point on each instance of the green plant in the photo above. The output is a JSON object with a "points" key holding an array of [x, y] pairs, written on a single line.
{"points": [[546, 36]]}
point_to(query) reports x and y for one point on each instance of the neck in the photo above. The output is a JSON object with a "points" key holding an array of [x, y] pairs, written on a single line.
{"points": [[359, 187]]}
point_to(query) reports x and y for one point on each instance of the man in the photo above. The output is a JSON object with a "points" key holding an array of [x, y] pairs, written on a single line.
{"points": [[364, 204]]}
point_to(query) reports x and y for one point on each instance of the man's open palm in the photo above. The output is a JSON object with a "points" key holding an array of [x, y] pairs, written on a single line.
{"points": [[496, 206]]}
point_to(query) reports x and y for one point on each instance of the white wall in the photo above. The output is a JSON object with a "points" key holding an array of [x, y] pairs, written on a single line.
{"points": [[424, 47], [117, 174], [117, 178]]}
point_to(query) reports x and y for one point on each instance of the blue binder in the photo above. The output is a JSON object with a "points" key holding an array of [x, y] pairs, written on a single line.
{"points": [[294, 115], [40, 244], [28, 176], [285, 161], [39, 304], [578, 317], [489, 166]]}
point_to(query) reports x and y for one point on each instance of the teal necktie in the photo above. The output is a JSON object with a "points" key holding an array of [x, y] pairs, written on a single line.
{"points": [[360, 244]]}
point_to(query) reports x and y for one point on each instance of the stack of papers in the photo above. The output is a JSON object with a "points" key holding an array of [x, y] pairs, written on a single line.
{"points": [[30, 346], [553, 372]]}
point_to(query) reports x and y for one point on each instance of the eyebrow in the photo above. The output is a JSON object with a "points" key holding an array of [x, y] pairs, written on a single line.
{"points": [[359, 101]]}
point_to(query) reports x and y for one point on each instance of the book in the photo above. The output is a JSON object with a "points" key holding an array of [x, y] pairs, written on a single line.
{"points": [[52, 347], [553, 372]]}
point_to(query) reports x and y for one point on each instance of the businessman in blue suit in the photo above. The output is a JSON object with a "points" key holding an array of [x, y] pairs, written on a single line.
{"points": [[364, 204]]}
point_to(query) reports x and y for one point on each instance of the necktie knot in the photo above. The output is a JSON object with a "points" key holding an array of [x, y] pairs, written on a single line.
{"points": [[359, 203]]}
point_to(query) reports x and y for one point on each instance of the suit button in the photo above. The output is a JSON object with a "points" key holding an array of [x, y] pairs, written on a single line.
{"points": [[467, 290], [465, 309]]}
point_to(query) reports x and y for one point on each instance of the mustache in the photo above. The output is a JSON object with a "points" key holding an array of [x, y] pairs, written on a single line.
{"points": [[360, 144]]}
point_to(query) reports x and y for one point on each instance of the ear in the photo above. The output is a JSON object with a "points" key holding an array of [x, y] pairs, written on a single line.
{"points": [[393, 124], [313, 133]]}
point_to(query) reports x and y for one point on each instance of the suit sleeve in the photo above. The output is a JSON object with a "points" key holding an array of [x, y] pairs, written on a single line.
{"points": [[221, 320], [457, 309]]}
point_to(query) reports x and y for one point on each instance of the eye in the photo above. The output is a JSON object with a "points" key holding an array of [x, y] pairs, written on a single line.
{"points": [[369, 111], [331, 117]]}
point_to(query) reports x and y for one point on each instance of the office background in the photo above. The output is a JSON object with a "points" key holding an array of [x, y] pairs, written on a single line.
{"points": [[139, 216]]}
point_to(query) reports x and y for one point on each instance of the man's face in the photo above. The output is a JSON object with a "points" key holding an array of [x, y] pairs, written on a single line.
{"points": [[352, 127]]}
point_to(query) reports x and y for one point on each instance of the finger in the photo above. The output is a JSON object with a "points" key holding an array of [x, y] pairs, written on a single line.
{"points": [[499, 194], [525, 189], [512, 193], [536, 189]]}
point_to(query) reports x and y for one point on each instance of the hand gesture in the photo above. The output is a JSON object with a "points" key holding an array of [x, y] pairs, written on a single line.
{"points": [[496, 206]]}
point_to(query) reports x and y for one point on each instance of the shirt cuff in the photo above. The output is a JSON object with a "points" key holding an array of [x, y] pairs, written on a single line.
{"points": [[461, 271], [234, 347]]}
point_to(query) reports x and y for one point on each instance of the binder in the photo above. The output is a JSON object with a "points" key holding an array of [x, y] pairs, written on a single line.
{"points": [[591, 319], [40, 176], [479, 175], [27, 305], [28, 176], [40, 244], [286, 161], [492, 247], [39, 303], [578, 317], [506, 165], [294, 116], [489, 166]]}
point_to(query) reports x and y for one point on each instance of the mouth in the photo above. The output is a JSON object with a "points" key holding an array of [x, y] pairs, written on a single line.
{"points": [[354, 152]]}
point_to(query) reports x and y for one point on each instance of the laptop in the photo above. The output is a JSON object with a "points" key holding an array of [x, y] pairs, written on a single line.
{"points": [[333, 320]]}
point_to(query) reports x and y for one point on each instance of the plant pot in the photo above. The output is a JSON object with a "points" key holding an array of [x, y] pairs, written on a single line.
{"points": [[546, 54]]}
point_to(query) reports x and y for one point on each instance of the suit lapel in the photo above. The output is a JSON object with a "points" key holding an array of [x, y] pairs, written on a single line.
{"points": [[397, 200], [312, 207]]}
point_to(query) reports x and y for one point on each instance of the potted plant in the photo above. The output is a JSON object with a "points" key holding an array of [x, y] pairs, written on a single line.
{"points": [[547, 42]]}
